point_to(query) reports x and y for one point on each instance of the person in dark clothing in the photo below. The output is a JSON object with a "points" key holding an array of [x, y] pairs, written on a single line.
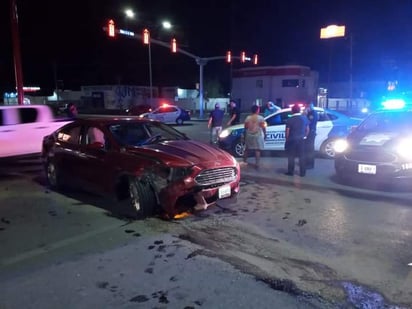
{"points": [[297, 129], [234, 114], [313, 118], [71, 110], [215, 123]]}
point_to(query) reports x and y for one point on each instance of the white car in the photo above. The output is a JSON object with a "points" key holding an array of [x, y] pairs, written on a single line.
{"points": [[22, 128], [331, 125], [168, 114]]}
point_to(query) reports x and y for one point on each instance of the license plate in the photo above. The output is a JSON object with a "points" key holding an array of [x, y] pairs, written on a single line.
{"points": [[224, 191], [366, 169]]}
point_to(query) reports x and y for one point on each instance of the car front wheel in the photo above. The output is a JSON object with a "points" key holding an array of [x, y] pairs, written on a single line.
{"points": [[327, 150], [142, 199], [238, 148], [179, 121], [53, 175]]}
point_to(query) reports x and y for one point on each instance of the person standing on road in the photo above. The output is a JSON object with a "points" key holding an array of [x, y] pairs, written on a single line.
{"points": [[297, 128], [254, 134], [72, 110], [234, 114], [313, 118], [215, 123], [270, 108]]}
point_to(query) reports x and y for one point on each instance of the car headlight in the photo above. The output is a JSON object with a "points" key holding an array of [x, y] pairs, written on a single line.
{"points": [[225, 133], [340, 145], [177, 173], [404, 148]]}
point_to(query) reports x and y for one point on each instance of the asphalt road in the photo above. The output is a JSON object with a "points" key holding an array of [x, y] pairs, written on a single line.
{"points": [[286, 242]]}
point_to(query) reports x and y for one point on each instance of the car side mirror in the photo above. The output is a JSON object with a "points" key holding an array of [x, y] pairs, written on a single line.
{"points": [[353, 128]]}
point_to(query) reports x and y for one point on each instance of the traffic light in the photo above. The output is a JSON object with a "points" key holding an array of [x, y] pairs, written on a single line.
{"points": [[146, 36], [243, 57], [255, 59], [229, 56], [174, 45], [110, 29]]}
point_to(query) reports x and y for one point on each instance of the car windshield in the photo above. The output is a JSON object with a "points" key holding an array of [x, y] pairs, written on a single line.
{"points": [[388, 122], [142, 133]]}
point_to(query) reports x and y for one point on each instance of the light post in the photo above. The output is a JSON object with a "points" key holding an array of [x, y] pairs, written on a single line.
{"points": [[201, 61], [334, 31], [129, 13]]}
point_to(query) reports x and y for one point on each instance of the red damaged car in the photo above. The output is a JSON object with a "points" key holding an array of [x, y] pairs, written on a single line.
{"points": [[147, 165]]}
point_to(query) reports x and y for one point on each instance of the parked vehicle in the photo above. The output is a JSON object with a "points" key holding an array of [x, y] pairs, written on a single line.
{"points": [[168, 114], [22, 128], [147, 165], [137, 110], [379, 148], [330, 126]]}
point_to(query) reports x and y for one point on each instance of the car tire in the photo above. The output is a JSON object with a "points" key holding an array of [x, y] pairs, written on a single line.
{"points": [[53, 175], [142, 198], [327, 150], [179, 121], [238, 148]]}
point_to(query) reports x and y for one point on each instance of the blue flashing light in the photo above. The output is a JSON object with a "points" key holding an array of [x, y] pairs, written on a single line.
{"points": [[393, 104]]}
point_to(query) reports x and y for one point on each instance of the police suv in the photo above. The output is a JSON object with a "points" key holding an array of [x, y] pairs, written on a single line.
{"points": [[380, 147], [331, 126]]}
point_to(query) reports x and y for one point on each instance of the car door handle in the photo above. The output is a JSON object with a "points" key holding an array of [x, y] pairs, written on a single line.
{"points": [[41, 127]]}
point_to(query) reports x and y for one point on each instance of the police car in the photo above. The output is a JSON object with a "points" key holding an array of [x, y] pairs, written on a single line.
{"points": [[168, 114], [380, 147], [331, 126]]}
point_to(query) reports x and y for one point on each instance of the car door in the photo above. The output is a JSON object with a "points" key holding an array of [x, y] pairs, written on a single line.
{"points": [[66, 151], [93, 170], [275, 130], [158, 114], [173, 114], [323, 128]]}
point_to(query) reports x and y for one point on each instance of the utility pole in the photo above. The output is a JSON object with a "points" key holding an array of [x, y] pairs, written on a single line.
{"points": [[16, 51]]}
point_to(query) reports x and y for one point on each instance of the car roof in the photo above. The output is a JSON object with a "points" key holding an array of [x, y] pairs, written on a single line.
{"points": [[112, 120]]}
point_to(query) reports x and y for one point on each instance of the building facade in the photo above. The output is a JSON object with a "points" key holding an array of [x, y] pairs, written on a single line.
{"points": [[284, 85]]}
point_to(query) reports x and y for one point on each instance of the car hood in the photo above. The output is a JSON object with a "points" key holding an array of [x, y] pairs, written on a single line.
{"points": [[186, 152], [374, 139]]}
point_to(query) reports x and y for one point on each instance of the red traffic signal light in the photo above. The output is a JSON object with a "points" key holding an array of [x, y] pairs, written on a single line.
{"points": [[146, 36], [243, 57], [174, 46], [255, 59], [229, 56], [111, 29]]}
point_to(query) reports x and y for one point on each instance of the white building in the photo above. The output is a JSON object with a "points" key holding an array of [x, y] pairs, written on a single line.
{"points": [[283, 85]]}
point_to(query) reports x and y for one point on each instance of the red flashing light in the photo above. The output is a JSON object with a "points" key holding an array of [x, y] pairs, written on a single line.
{"points": [[242, 56], [174, 45], [146, 36], [111, 29], [229, 56], [164, 105], [255, 59]]}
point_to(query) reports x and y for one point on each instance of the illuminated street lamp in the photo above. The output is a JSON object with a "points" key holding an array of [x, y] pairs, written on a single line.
{"points": [[334, 31]]}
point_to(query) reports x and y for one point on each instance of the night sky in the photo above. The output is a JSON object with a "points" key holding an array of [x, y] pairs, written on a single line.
{"points": [[63, 40]]}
